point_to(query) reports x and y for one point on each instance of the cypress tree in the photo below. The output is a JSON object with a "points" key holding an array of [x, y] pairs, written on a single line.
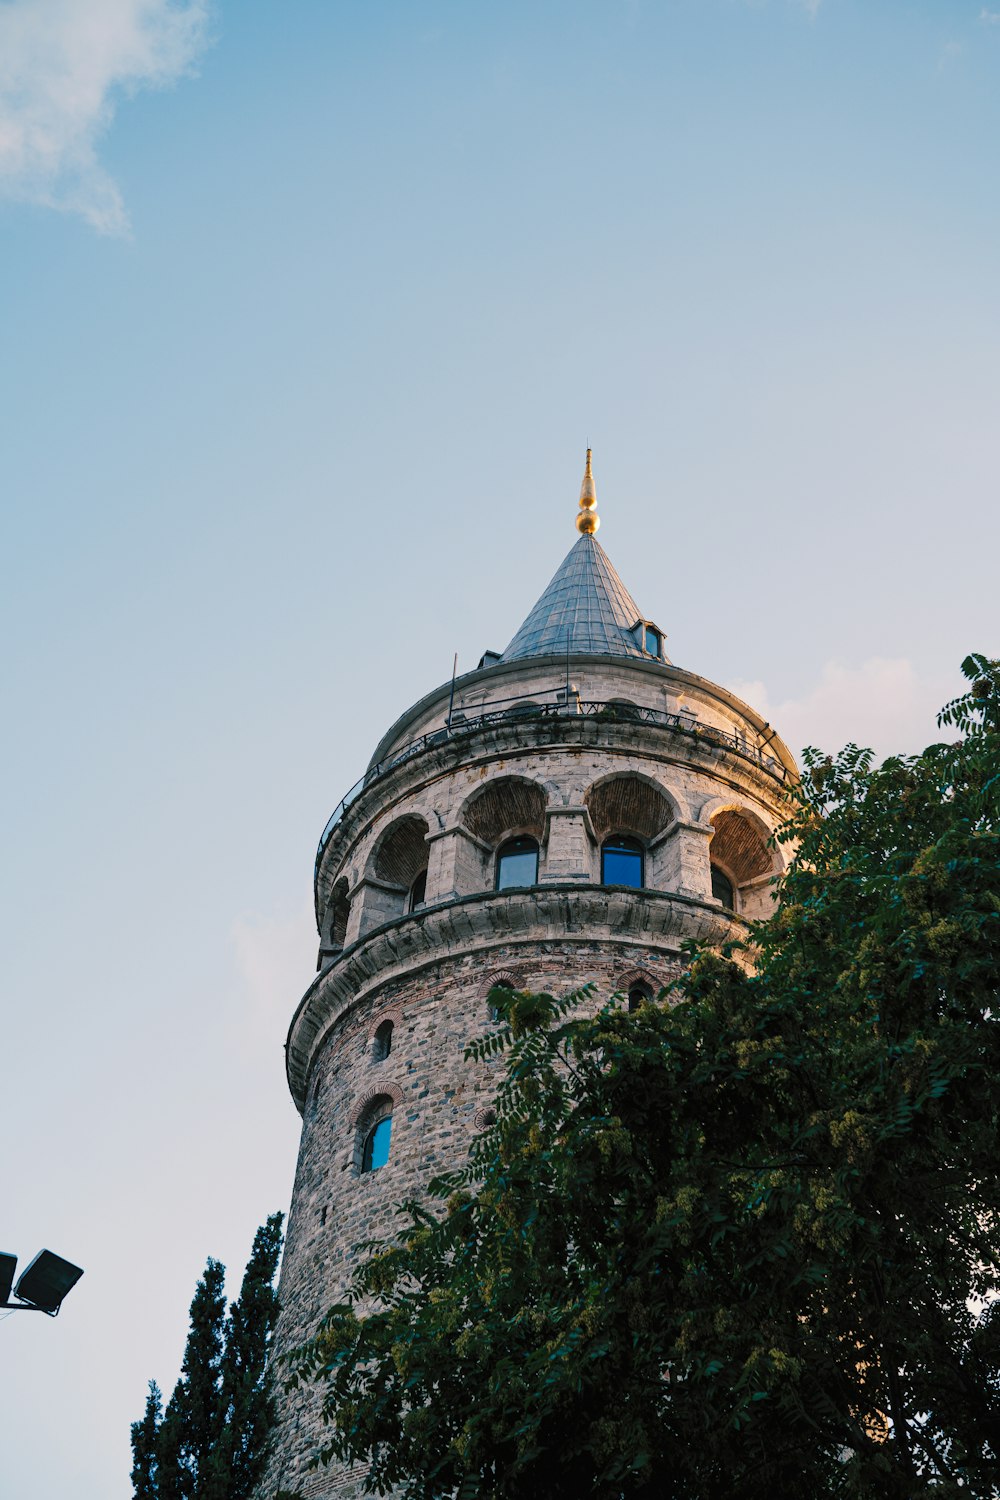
{"points": [[247, 1396], [211, 1441], [201, 1413], [144, 1439], [192, 1423], [170, 1475]]}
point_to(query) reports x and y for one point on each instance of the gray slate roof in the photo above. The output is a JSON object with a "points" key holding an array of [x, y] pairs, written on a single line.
{"points": [[585, 610]]}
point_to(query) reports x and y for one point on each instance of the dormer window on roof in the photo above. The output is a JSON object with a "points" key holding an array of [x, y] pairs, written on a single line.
{"points": [[649, 638]]}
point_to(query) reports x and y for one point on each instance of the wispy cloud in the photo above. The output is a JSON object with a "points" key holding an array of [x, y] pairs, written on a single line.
{"points": [[882, 703], [989, 17], [64, 66]]}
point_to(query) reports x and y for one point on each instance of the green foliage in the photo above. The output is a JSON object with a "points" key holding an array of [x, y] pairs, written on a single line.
{"points": [[742, 1240], [145, 1467], [211, 1441], [247, 1402]]}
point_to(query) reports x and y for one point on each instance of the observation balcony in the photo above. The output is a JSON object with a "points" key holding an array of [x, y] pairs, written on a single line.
{"points": [[562, 710]]}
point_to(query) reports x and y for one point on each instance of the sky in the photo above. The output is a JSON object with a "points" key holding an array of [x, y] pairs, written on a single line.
{"points": [[308, 313]]}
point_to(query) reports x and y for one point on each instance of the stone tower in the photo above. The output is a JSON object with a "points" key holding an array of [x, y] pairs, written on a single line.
{"points": [[572, 810]]}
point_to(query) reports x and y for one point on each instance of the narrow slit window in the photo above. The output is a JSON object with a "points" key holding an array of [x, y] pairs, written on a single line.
{"points": [[418, 891], [383, 1042]]}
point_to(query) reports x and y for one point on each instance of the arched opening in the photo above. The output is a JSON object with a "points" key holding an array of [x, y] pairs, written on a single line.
{"points": [[639, 995], [622, 709], [509, 803], [382, 1043], [525, 709], [393, 877], [402, 852], [742, 864], [628, 803], [517, 863], [623, 861]]}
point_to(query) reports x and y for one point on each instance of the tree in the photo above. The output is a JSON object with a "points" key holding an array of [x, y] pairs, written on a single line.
{"points": [[210, 1443], [743, 1240], [144, 1462], [247, 1400]]}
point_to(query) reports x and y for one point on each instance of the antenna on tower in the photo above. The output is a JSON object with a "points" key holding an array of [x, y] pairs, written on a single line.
{"points": [[451, 697]]}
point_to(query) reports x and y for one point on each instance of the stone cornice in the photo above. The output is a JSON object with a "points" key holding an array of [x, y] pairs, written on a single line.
{"points": [[565, 913]]}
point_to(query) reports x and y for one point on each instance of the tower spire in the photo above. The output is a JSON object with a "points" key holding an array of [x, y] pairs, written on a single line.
{"points": [[588, 520]]}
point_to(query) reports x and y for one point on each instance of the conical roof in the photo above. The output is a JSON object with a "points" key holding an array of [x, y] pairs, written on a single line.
{"points": [[586, 610]]}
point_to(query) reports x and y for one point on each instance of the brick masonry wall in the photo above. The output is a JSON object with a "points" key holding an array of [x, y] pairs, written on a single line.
{"points": [[437, 1094]]}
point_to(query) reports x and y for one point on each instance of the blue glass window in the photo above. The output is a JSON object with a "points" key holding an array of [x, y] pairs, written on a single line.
{"points": [[722, 888], [652, 642], [517, 863], [376, 1148], [622, 861]]}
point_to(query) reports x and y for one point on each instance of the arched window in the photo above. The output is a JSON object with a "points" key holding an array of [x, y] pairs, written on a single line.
{"points": [[375, 1151], [382, 1045], [638, 995], [622, 861], [418, 890], [517, 863], [722, 888]]}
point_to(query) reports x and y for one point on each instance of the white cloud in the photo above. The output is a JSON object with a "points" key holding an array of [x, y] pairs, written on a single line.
{"points": [[882, 703], [989, 17], [275, 960], [64, 64]]}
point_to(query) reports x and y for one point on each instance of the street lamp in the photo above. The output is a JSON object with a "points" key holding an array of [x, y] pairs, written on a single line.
{"points": [[42, 1284]]}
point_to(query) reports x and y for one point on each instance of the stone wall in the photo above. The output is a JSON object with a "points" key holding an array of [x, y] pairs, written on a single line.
{"points": [[436, 1094]]}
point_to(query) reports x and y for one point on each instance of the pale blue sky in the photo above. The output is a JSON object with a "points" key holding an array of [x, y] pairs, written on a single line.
{"points": [[301, 349]]}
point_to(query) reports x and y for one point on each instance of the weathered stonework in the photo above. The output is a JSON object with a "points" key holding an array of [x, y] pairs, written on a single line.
{"points": [[566, 750]]}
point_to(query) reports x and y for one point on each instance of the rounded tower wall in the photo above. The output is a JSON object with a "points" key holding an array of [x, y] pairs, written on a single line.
{"points": [[419, 819], [546, 822]]}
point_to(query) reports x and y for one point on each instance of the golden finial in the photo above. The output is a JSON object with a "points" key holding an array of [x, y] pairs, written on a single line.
{"points": [[588, 520]]}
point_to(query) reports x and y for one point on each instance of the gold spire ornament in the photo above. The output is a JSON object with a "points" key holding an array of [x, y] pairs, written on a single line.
{"points": [[588, 520]]}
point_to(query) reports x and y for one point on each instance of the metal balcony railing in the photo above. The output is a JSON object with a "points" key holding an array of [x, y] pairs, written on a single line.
{"points": [[463, 724]]}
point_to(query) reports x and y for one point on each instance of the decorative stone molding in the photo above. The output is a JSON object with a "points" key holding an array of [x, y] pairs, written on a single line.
{"points": [[483, 923], [382, 1090], [633, 978], [382, 1014], [505, 977]]}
